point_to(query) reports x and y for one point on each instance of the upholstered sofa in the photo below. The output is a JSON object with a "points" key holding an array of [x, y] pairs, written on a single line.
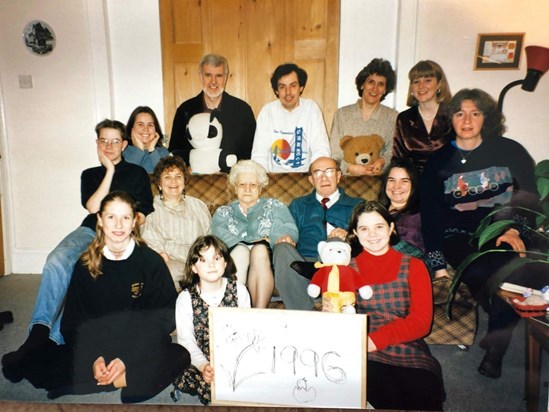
{"points": [[214, 189]]}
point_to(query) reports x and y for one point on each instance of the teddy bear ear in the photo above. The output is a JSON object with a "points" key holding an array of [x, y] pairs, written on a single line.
{"points": [[344, 140], [320, 246]]}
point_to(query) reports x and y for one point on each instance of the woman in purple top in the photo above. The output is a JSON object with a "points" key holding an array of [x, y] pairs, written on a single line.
{"points": [[400, 196]]}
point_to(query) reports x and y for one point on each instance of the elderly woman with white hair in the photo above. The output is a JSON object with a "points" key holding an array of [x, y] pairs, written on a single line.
{"points": [[251, 226]]}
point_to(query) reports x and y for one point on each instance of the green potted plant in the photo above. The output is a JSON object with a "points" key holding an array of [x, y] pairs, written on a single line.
{"points": [[489, 229]]}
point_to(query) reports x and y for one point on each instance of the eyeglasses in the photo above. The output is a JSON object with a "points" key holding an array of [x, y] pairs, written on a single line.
{"points": [[330, 172], [113, 142], [249, 186]]}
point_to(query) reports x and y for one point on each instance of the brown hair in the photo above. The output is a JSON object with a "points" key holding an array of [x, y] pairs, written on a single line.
{"points": [[200, 245]]}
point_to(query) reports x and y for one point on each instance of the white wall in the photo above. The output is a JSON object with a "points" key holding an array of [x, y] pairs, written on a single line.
{"points": [[361, 25], [447, 32], [107, 61]]}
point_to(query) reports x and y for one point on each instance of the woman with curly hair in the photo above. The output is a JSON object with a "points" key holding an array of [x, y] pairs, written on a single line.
{"points": [[367, 116], [177, 219], [462, 183]]}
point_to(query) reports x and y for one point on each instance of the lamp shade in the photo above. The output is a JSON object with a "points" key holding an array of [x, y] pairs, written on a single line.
{"points": [[537, 61]]}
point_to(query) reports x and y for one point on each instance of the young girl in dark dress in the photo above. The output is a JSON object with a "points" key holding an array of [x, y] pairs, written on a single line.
{"points": [[209, 280]]}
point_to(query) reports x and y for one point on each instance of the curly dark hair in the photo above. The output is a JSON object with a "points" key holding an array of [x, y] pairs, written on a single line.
{"points": [[169, 163], [494, 120], [131, 122], [284, 70], [381, 68]]}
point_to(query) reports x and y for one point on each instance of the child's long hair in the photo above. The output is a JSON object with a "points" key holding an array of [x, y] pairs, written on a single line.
{"points": [[200, 245], [93, 254]]}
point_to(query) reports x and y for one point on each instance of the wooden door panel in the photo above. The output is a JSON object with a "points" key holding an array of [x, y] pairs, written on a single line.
{"points": [[187, 21], [228, 39], [255, 36], [265, 51]]}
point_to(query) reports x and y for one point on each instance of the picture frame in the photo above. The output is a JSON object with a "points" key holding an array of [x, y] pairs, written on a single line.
{"points": [[498, 51]]}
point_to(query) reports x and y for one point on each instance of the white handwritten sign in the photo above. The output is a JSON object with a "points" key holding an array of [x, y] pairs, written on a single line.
{"points": [[286, 357]]}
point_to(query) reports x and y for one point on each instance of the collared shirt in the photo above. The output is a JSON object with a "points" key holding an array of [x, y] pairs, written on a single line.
{"points": [[129, 250], [334, 197]]}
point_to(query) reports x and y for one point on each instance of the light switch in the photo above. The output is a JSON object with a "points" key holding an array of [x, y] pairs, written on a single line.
{"points": [[25, 81]]}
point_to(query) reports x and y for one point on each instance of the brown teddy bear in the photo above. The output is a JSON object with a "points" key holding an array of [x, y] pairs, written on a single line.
{"points": [[361, 150]]}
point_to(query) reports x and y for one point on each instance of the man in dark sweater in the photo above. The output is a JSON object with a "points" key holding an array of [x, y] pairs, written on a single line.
{"points": [[113, 174], [235, 115]]}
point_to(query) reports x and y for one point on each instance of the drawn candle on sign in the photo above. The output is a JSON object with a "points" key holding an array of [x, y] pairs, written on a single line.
{"points": [[253, 356]]}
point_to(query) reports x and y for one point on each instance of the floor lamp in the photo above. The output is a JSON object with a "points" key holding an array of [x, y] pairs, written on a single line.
{"points": [[537, 61]]}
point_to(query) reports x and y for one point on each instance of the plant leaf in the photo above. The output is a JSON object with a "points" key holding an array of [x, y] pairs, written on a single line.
{"points": [[542, 169], [493, 231]]}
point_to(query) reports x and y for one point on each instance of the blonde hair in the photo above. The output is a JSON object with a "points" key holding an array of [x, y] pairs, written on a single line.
{"points": [[429, 68], [92, 257]]}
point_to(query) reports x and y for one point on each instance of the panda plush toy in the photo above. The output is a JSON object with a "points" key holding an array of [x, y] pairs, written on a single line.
{"points": [[205, 132]]}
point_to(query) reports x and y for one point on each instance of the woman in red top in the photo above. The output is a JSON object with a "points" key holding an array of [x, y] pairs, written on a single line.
{"points": [[402, 373]]}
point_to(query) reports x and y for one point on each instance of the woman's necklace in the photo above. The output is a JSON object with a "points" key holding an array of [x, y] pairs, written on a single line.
{"points": [[464, 158], [467, 152]]}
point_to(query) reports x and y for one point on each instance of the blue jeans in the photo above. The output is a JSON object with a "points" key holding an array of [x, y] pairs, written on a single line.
{"points": [[56, 277]]}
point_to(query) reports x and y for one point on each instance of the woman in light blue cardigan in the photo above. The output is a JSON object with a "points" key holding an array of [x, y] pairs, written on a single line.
{"points": [[251, 226], [144, 136]]}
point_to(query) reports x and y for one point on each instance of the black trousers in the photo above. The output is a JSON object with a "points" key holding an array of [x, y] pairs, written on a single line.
{"points": [[397, 387], [479, 277]]}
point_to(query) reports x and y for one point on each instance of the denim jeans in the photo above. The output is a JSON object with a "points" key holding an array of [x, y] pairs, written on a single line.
{"points": [[56, 277]]}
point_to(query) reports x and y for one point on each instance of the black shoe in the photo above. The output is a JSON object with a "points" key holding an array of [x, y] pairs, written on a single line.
{"points": [[13, 374], [38, 337], [491, 364], [305, 269]]}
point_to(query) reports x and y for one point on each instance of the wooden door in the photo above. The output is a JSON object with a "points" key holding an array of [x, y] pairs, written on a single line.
{"points": [[255, 36]]}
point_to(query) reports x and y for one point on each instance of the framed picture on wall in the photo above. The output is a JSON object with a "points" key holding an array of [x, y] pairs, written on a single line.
{"points": [[497, 51]]}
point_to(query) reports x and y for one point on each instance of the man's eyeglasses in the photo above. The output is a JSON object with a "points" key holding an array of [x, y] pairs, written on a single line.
{"points": [[330, 172], [113, 142]]}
